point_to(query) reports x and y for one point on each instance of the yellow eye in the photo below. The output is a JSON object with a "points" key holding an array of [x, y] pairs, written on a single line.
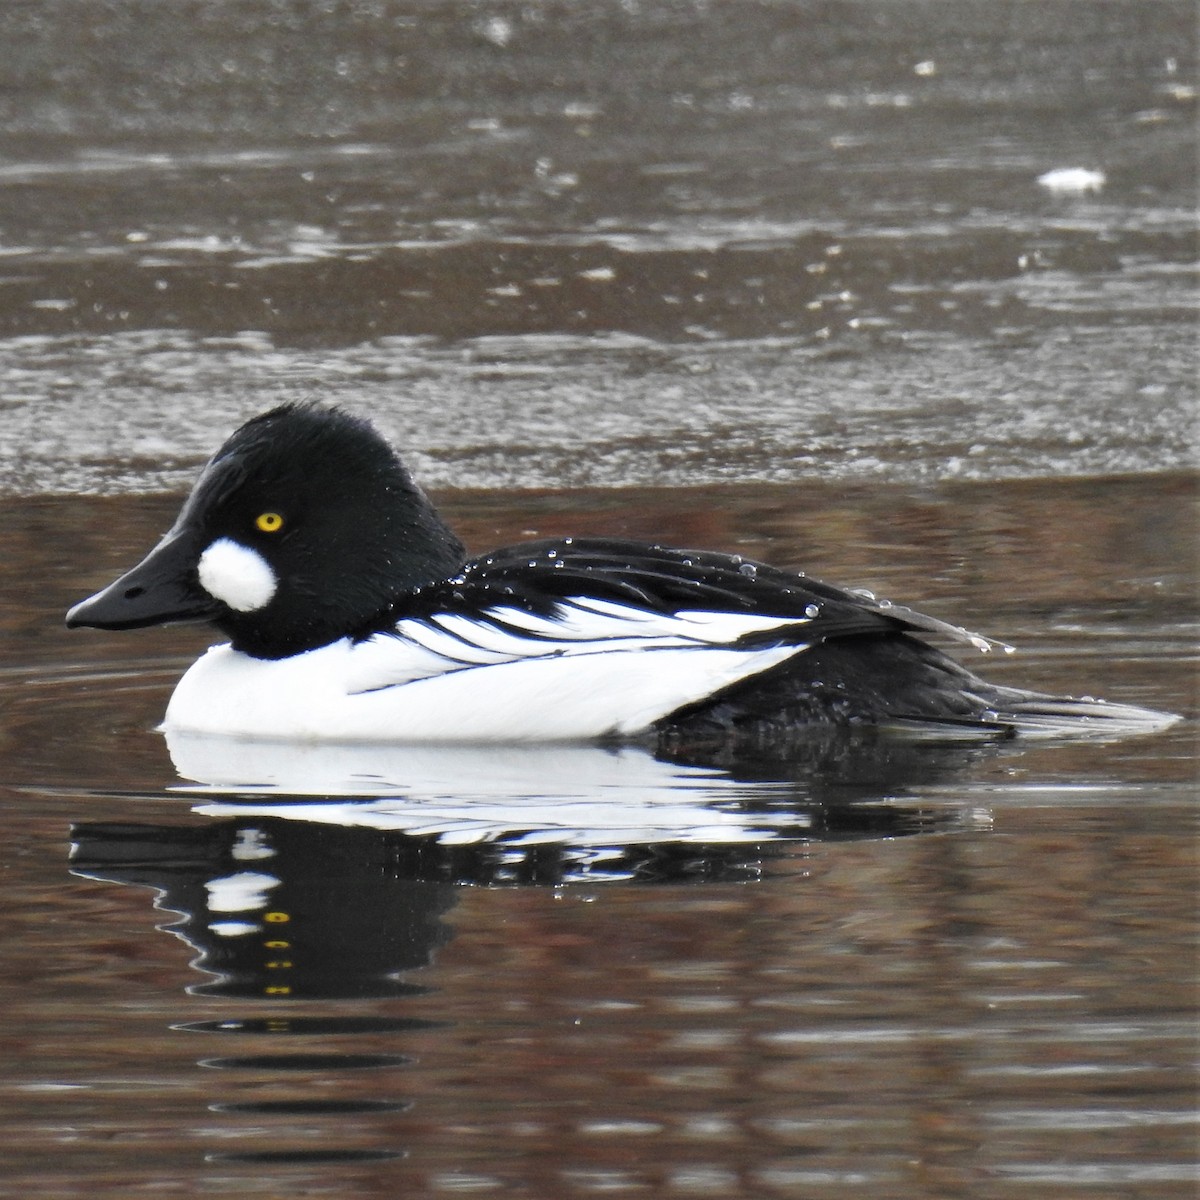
{"points": [[268, 522]]}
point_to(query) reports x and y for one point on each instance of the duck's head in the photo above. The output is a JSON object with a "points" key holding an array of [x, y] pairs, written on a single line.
{"points": [[301, 529]]}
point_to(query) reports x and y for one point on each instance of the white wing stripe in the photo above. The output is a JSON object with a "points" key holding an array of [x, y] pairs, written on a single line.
{"points": [[584, 617], [424, 648], [728, 627], [535, 623], [470, 631], [440, 642]]}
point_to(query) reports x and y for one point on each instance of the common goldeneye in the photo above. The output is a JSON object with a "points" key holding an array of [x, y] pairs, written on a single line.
{"points": [[354, 615]]}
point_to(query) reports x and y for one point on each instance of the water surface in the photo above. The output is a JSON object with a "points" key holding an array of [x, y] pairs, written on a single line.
{"points": [[545, 246], [582, 971], [772, 278]]}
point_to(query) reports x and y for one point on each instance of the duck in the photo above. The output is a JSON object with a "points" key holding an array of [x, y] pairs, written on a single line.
{"points": [[354, 615]]}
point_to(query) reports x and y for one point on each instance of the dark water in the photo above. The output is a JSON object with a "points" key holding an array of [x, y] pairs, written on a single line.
{"points": [[582, 972], [774, 278]]}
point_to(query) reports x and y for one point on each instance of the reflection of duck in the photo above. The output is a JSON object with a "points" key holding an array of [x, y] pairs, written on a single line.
{"points": [[287, 897], [604, 797], [280, 909], [353, 616]]}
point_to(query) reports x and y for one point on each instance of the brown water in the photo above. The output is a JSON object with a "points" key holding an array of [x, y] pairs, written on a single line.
{"points": [[946, 975], [773, 278]]}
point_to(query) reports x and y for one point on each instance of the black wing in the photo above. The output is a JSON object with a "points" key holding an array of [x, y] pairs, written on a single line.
{"points": [[536, 576]]}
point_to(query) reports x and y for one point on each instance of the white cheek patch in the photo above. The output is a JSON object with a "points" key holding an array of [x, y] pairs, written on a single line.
{"points": [[237, 575]]}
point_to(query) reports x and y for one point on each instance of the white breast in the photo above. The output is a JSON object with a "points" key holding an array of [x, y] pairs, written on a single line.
{"points": [[595, 669]]}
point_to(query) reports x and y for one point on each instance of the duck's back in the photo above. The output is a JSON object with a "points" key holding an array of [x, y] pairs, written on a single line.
{"points": [[856, 661]]}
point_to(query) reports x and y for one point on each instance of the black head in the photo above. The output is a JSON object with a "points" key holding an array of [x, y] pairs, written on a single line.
{"points": [[302, 528]]}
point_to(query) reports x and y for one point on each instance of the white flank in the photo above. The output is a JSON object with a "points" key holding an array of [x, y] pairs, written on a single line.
{"points": [[237, 575], [595, 669]]}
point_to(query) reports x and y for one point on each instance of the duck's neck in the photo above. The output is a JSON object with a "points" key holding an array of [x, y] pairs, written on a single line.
{"points": [[423, 549]]}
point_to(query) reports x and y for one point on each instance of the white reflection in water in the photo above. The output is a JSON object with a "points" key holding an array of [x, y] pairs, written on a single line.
{"points": [[568, 794]]}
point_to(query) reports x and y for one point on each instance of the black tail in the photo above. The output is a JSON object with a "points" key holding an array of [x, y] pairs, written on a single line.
{"points": [[1036, 716], [903, 685]]}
